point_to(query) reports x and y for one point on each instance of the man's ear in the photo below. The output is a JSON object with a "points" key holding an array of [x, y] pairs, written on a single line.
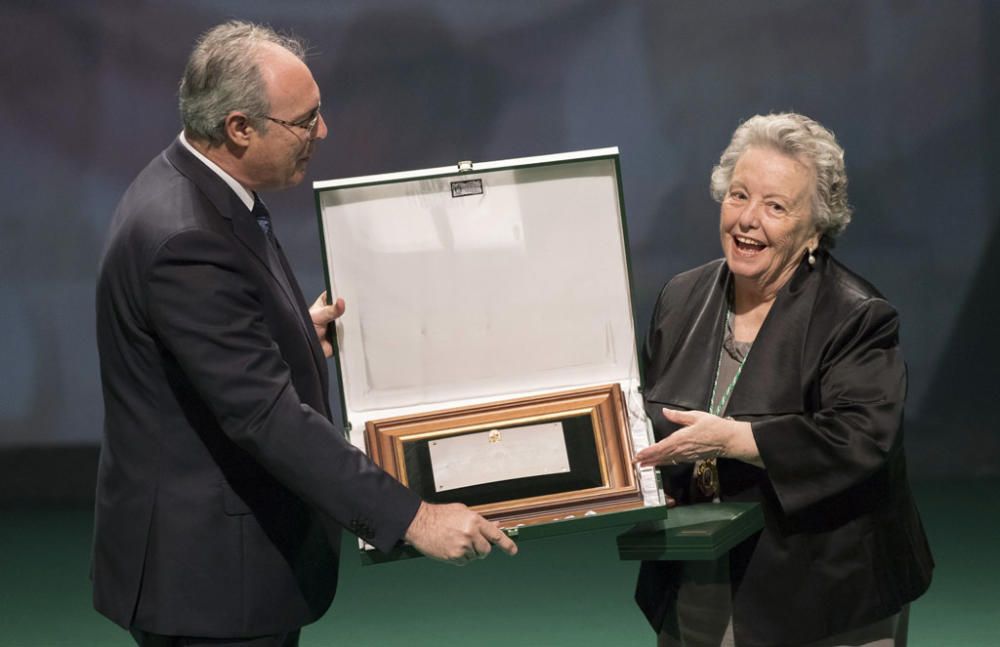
{"points": [[238, 129]]}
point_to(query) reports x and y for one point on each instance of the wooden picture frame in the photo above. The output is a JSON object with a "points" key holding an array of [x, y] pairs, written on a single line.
{"points": [[594, 424]]}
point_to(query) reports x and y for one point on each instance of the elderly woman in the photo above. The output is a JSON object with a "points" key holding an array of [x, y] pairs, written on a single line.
{"points": [[775, 375]]}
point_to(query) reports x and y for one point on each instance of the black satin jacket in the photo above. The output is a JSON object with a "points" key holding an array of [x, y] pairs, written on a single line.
{"points": [[823, 388]]}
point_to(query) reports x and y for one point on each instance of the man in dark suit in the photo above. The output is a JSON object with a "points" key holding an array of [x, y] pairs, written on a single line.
{"points": [[220, 468]]}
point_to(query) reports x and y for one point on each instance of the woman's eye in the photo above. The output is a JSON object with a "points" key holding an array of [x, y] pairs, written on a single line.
{"points": [[776, 208]]}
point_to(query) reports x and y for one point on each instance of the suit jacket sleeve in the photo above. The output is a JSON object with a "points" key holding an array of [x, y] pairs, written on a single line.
{"points": [[855, 428], [207, 312]]}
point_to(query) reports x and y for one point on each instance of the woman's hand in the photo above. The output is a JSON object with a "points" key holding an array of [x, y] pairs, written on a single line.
{"points": [[701, 436]]}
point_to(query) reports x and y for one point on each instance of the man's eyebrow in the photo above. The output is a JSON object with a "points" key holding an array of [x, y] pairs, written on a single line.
{"points": [[309, 114]]}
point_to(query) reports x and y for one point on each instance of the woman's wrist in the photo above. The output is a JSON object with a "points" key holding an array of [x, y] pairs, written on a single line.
{"points": [[740, 443]]}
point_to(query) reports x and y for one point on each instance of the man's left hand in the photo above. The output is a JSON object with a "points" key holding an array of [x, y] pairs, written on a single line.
{"points": [[322, 316]]}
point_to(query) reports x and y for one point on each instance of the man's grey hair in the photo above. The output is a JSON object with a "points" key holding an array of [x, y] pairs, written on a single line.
{"points": [[809, 142], [223, 75]]}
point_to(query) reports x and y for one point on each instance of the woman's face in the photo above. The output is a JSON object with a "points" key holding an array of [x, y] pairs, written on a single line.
{"points": [[766, 222]]}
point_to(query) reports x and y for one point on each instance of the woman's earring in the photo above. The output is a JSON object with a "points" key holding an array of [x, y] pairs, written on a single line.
{"points": [[811, 259]]}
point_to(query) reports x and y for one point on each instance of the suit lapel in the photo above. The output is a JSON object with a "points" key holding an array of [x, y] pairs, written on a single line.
{"points": [[230, 207], [298, 298], [250, 235]]}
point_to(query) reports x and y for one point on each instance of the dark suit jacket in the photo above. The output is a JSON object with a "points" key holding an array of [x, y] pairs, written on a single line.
{"points": [[823, 387], [219, 464]]}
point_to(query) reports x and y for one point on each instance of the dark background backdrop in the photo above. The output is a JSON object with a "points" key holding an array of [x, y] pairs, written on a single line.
{"points": [[88, 96]]}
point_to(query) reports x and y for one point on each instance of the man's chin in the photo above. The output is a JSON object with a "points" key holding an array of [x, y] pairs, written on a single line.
{"points": [[295, 179], [300, 172]]}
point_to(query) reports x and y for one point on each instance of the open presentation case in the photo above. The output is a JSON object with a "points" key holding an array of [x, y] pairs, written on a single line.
{"points": [[488, 353]]}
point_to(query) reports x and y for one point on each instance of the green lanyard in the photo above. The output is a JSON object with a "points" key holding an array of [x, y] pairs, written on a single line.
{"points": [[717, 409], [706, 473]]}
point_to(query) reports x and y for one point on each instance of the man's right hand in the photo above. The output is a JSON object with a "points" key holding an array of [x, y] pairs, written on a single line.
{"points": [[455, 534]]}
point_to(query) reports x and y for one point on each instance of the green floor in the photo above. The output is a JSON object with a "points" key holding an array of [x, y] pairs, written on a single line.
{"points": [[560, 591]]}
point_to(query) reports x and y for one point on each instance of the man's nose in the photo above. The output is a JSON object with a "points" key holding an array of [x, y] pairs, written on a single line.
{"points": [[321, 130]]}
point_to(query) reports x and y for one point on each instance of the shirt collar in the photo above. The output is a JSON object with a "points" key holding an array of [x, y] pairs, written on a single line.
{"points": [[245, 196]]}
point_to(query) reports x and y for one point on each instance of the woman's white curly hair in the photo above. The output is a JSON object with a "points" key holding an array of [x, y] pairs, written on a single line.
{"points": [[807, 141]]}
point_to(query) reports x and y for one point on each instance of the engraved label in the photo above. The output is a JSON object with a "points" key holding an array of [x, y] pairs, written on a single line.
{"points": [[498, 455]]}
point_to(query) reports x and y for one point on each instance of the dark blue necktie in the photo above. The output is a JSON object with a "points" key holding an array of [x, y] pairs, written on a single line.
{"points": [[260, 212], [274, 261]]}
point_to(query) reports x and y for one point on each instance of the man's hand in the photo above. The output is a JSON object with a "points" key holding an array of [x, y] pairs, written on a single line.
{"points": [[455, 534], [322, 316]]}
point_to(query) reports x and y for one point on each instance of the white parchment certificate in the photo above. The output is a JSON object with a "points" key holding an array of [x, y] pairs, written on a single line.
{"points": [[498, 455]]}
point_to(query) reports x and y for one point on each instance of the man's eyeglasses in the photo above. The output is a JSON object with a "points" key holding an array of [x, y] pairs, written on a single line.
{"points": [[307, 124]]}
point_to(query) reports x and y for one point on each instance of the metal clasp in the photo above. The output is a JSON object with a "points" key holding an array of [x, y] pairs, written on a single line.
{"points": [[465, 166]]}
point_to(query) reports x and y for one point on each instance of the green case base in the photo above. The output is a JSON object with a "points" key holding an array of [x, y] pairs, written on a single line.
{"points": [[553, 528], [704, 531]]}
